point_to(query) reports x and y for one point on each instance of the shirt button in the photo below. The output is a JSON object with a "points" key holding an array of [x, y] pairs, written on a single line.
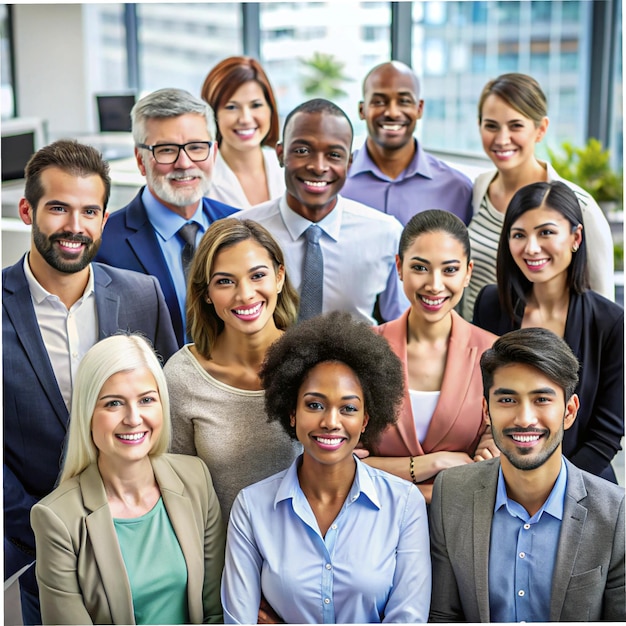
{"points": [[329, 566], [75, 355], [526, 526], [521, 593], [522, 555], [326, 600], [334, 526]]}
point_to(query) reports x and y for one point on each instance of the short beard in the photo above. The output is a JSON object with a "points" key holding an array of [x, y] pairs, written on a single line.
{"points": [[177, 197], [45, 246]]}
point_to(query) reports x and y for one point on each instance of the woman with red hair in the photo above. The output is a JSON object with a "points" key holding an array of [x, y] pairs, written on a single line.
{"points": [[246, 169]]}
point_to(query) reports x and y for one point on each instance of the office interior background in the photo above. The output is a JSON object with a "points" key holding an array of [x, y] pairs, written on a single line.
{"points": [[57, 58]]}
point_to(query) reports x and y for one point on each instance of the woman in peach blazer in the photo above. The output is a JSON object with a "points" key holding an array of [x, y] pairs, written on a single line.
{"points": [[441, 356]]}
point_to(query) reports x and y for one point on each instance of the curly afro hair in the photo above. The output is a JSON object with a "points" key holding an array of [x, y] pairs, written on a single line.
{"points": [[336, 337]]}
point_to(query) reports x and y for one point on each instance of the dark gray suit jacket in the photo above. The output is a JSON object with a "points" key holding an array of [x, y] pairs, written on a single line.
{"points": [[35, 415], [588, 582]]}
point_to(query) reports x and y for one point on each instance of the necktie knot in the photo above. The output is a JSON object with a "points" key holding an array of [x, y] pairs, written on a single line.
{"points": [[313, 233], [188, 233]]}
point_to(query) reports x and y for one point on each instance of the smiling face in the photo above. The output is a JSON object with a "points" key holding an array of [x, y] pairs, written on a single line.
{"points": [[508, 137], [316, 155], [330, 414], [528, 414], [434, 272], [128, 418], [244, 287], [541, 242], [179, 185], [391, 107], [67, 224], [244, 120]]}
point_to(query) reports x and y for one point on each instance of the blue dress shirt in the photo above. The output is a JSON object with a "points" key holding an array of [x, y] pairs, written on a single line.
{"points": [[522, 554], [373, 564], [427, 183], [166, 224]]}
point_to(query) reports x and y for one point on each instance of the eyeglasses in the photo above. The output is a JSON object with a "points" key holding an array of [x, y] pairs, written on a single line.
{"points": [[168, 153]]}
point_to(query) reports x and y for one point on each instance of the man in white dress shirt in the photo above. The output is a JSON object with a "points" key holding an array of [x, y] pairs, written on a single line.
{"points": [[358, 244]]}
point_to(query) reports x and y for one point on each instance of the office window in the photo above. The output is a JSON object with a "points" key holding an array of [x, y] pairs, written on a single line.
{"points": [[350, 38], [179, 43], [105, 30], [459, 46], [7, 107]]}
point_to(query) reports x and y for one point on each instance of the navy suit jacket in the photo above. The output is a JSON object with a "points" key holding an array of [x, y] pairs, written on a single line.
{"points": [[594, 330], [129, 241], [35, 414]]}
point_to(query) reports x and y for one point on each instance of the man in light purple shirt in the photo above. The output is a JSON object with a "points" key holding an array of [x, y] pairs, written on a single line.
{"points": [[391, 171]]}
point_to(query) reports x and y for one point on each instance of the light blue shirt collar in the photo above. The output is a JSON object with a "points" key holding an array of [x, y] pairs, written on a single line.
{"points": [[553, 505], [362, 486], [296, 224], [166, 222]]}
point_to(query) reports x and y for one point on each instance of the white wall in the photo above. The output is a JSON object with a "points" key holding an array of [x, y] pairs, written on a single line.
{"points": [[51, 63]]}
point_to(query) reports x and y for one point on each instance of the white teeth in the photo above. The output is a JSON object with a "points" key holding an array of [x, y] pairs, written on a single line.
{"points": [[432, 302], [183, 178], [392, 126], [132, 436], [246, 131], [525, 438], [70, 244], [253, 311], [315, 183], [505, 153], [328, 442], [535, 263]]}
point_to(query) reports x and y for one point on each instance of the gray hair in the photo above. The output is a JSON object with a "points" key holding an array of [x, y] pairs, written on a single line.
{"points": [[165, 103]]}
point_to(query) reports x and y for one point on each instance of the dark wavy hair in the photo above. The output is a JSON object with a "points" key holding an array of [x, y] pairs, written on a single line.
{"points": [[538, 347], [513, 286], [334, 337]]}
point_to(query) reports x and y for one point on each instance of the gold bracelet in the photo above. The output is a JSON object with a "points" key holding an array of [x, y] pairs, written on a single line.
{"points": [[412, 470]]}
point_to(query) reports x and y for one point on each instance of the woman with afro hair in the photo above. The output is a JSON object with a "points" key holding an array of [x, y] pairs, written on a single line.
{"points": [[330, 539]]}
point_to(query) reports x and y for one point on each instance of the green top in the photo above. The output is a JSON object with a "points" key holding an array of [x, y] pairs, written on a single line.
{"points": [[156, 567]]}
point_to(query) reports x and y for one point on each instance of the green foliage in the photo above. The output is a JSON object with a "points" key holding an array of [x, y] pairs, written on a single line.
{"points": [[590, 168], [326, 76]]}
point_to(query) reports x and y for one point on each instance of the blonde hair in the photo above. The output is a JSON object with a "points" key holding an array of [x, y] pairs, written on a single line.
{"points": [[115, 354], [203, 322]]}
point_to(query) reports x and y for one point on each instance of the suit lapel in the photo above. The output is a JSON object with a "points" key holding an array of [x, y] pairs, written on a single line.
{"points": [[19, 308], [105, 545], [574, 516], [456, 380], [484, 498], [107, 303], [183, 518]]}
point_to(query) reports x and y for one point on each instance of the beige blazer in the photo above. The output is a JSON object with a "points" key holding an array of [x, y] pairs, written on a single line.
{"points": [[80, 569], [457, 422]]}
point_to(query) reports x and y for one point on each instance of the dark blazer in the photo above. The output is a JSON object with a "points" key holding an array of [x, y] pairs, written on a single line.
{"points": [[594, 330], [35, 415], [588, 580], [80, 568], [129, 241]]}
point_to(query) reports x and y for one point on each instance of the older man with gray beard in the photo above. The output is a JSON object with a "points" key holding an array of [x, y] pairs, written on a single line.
{"points": [[156, 233]]}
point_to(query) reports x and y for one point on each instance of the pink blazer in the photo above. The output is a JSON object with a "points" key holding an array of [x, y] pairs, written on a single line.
{"points": [[457, 422]]}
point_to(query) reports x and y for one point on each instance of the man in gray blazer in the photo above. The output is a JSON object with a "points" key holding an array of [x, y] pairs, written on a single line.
{"points": [[527, 536], [56, 304]]}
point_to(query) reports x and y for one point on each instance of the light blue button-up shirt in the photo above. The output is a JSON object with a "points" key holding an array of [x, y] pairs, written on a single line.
{"points": [[166, 224], [373, 564], [522, 553]]}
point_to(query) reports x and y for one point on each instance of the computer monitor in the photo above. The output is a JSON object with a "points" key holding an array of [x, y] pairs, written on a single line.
{"points": [[114, 112], [21, 138]]}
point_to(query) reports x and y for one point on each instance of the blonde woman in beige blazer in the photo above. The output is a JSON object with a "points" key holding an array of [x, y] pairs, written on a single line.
{"points": [[115, 469]]}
